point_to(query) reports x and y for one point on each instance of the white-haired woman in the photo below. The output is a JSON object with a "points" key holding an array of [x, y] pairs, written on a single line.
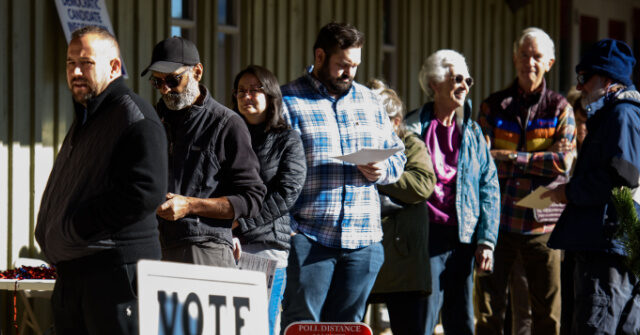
{"points": [[464, 210]]}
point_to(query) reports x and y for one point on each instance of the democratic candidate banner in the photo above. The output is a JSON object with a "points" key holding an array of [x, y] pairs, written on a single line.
{"points": [[75, 14]]}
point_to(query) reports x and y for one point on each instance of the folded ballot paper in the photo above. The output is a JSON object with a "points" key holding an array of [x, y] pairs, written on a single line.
{"points": [[261, 264], [366, 156], [534, 200]]}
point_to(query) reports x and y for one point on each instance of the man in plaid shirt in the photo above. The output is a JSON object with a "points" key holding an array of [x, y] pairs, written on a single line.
{"points": [[336, 251], [532, 134]]}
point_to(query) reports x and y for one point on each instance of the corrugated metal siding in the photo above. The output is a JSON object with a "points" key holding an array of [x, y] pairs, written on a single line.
{"points": [[36, 108], [279, 34], [35, 112], [482, 30]]}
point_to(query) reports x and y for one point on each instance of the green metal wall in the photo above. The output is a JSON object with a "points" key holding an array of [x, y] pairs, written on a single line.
{"points": [[35, 107], [280, 36], [35, 110]]}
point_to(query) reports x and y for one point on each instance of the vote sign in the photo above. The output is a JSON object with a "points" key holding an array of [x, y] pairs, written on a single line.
{"points": [[176, 298]]}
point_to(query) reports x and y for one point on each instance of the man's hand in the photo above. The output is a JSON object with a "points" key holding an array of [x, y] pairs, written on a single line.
{"points": [[484, 257], [561, 146], [174, 208], [557, 194], [371, 171], [502, 154]]}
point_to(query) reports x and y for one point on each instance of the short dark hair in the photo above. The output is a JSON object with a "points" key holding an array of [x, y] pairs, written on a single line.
{"points": [[95, 30], [271, 87], [338, 35]]}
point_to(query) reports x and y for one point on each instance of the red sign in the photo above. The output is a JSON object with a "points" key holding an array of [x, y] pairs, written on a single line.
{"points": [[328, 328]]}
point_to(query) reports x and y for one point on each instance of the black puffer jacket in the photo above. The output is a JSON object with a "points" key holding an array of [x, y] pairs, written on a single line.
{"points": [[283, 170]]}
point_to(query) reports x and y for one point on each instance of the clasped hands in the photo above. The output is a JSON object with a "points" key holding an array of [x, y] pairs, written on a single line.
{"points": [[174, 208]]}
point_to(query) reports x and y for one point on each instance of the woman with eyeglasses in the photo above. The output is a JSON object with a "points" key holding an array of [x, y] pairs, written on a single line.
{"points": [[257, 97], [464, 209]]}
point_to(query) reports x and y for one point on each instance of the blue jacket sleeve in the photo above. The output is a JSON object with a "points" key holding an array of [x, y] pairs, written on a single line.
{"points": [[489, 195], [619, 157]]}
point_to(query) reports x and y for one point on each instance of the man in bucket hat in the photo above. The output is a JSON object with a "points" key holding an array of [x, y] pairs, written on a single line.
{"points": [[213, 172], [606, 293]]}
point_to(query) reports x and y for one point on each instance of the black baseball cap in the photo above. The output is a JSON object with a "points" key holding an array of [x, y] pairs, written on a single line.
{"points": [[172, 53]]}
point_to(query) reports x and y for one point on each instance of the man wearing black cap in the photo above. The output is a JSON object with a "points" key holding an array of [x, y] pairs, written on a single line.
{"points": [[606, 292], [213, 172]]}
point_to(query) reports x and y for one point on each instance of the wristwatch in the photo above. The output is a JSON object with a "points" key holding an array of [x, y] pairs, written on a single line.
{"points": [[513, 156]]}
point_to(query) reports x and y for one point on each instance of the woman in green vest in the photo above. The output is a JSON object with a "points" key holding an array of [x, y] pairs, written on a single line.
{"points": [[403, 282]]}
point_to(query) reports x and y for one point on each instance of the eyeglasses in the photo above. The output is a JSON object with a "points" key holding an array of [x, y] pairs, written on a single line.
{"points": [[583, 78], [172, 80], [241, 93], [458, 79]]}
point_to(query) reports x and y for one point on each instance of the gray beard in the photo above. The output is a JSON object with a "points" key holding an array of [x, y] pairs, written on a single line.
{"points": [[178, 101]]}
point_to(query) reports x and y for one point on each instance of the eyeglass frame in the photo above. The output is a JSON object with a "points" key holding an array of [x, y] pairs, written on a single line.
{"points": [[583, 78], [252, 92], [458, 79], [159, 83]]}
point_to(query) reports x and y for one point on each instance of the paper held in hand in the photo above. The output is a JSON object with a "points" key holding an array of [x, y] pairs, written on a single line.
{"points": [[534, 201], [366, 156]]}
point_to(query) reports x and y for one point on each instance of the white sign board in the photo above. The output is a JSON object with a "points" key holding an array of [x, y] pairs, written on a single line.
{"points": [[177, 298], [75, 14]]}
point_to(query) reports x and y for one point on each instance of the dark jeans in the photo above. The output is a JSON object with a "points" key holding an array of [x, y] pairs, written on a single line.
{"points": [[407, 311], [95, 299], [607, 300], [328, 284], [542, 268], [451, 280], [566, 277]]}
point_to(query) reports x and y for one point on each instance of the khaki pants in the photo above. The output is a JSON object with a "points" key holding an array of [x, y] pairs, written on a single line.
{"points": [[542, 269], [203, 253]]}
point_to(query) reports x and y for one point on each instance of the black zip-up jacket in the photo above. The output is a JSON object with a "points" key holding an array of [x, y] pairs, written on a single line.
{"points": [[107, 181], [283, 169], [210, 156]]}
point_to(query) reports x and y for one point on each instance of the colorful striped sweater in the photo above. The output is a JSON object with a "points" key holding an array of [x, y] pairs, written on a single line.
{"points": [[549, 118]]}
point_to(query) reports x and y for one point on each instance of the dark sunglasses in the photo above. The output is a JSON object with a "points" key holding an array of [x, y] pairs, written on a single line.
{"points": [[172, 80], [458, 79], [583, 78]]}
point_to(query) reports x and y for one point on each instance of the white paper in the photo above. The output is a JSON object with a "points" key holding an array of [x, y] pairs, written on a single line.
{"points": [[534, 200], [366, 156]]}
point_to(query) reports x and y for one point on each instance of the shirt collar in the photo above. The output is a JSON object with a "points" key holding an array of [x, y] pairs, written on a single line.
{"points": [[532, 98], [595, 106], [115, 89]]}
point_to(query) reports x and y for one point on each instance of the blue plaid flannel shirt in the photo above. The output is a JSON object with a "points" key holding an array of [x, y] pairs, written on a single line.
{"points": [[338, 206]]}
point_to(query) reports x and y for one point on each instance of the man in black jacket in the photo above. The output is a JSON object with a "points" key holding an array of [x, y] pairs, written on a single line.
{"points": [[97, 216], [213, 172]]}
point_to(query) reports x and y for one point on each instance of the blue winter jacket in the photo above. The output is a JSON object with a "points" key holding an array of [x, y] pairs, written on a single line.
{"points": [[609, 158], [477, 188]]}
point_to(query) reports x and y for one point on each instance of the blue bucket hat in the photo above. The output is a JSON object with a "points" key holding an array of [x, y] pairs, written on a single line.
{"points": [[611, 58]]}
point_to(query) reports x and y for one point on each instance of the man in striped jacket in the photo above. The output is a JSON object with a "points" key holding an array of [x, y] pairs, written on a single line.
{"points": [[532, 134]]}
